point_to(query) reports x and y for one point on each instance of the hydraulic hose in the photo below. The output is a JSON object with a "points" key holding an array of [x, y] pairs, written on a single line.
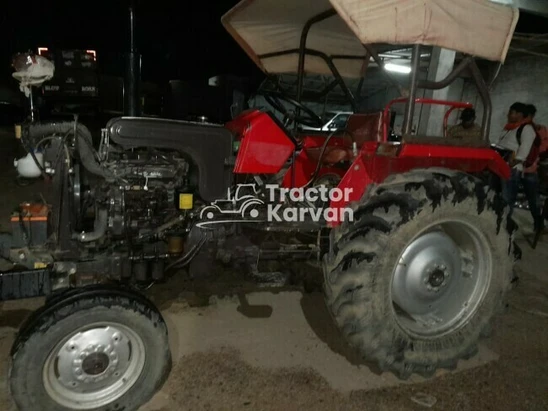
{"points": [[84, 143], [99, 230]]}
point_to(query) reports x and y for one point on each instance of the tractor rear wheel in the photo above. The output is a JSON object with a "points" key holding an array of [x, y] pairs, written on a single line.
{"points": [[414, 281]]}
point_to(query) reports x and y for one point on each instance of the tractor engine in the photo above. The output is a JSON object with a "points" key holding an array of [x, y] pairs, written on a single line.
{"points": [[122, 211], [146, 196]]}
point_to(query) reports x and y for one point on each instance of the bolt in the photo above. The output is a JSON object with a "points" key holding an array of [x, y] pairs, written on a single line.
{"points": [[446, 274], [72, 271], [22, 256], [443, 267]]}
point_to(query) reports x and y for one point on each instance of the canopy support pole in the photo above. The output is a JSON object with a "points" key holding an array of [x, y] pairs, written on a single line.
{"points": [[373, 53], [410, 107], [302, 49]]}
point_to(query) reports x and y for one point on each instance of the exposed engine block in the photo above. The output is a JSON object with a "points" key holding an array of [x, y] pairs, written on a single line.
{"points": [[148, 195]]}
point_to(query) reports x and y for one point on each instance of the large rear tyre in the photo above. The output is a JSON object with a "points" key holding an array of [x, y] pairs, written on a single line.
{"points": [[101, 352], [415, 280]]}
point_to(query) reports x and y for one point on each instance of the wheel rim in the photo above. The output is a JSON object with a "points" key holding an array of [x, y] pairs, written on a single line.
{"points": [[94, 367], [441, 279]]}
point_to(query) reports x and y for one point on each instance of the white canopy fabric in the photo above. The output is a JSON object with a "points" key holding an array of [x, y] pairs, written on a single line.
{"points": [[476, 27]]}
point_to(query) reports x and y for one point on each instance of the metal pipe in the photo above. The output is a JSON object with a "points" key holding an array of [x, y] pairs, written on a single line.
{"points": [[133, 73], [329, 63], [438, 85], [343, 85], [302, 48], [32, 108], [410, 107], [99, 230], [373, 53], [485, 99]]}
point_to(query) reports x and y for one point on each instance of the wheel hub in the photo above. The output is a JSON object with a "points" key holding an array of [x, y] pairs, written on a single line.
{"points": [[437, 278], [95, 364], [423, 276]]}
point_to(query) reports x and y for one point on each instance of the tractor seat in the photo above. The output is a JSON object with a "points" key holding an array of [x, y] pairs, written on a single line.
{"points": [[366, 127]]}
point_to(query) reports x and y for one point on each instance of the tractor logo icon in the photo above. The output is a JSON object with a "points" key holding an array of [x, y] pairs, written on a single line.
{"points": [[244, 203]]}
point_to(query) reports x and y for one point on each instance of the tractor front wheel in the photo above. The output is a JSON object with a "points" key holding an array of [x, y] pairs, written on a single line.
{"points": [[94, 350], [415, 279]]}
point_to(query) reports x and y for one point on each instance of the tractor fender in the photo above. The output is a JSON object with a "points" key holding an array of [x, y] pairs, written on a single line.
{"points": [[373, 167]]}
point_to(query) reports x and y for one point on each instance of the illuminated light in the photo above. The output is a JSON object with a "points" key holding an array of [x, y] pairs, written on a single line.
{"points": [[93, 53], [396, 68], [42, 50], [389, 149]]}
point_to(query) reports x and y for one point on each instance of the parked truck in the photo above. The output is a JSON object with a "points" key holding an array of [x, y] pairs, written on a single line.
{"points": [[75, 86]]}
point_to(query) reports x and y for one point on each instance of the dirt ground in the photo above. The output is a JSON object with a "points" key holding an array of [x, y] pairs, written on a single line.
{"points": [[264, 350]]}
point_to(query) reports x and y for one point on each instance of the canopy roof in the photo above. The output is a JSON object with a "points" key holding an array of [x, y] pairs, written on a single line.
{"points": [[264, 28]]}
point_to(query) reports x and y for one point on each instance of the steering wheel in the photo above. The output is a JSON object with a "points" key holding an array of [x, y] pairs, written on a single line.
{"points": [[306, 116]]}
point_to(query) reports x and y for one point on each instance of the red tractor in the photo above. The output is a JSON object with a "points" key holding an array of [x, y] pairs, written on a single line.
{"points": [[415, 247]]}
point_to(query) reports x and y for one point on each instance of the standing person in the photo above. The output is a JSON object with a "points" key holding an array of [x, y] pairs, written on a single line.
{"points": [[542, 134], [530, 178], [467, 128], [517, 140]]}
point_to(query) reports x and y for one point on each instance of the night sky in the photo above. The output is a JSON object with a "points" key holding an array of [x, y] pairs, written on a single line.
{"points": [[178, 39]]}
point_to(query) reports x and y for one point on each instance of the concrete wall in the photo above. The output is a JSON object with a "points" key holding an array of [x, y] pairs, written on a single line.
{"points": [[525, 80]]}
